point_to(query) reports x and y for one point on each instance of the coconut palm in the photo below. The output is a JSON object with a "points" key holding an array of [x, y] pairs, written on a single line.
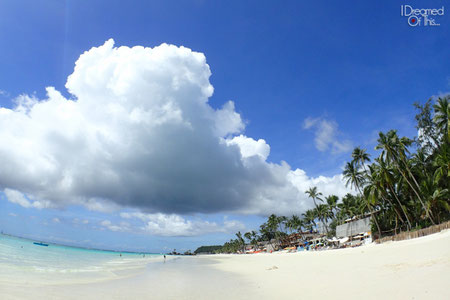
{"points": [[248, 236], [293, 223], [314, 194], [252, 237], [436, 197], [241, 241], [441, 117], [297, 223], [377, 194], [360, 157], [324, 212], [282, 224], [442, 165], [394, 151], [405, 188], [332, 202], [309, 216], [355, 178], [386, 178]]}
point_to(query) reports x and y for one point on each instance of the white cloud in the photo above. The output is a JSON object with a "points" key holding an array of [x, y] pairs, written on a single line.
{"points": [[326, 135], [56, 220], [17, 197], [227, 120], [176, 225], [26, 201], [138, 132], [12, 214], [105, 223], [24, 103], [78, 221], [249, 147], [123, 226]]}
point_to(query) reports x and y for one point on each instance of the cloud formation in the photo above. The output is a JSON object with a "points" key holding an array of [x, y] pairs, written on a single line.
{"points": [[19, 198], [175, 225], [326, 135], [138, 132]]}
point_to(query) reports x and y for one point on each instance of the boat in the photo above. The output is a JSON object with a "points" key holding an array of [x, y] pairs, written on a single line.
{"points": [[40, 244]]}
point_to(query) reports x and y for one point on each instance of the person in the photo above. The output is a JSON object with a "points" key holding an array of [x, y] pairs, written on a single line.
{"points": [[164, 258]]}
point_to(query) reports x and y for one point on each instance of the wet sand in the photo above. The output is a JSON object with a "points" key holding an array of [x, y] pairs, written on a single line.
{"points": [[413, 269]]}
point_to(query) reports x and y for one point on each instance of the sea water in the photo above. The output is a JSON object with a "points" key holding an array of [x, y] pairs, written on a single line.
{"points": [[21, 261]]}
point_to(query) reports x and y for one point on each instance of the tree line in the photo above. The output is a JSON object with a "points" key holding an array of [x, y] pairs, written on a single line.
{"points": [[405, 187]]}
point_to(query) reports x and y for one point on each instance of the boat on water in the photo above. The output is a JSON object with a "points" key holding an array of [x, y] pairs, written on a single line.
{"points": [[40, 244]]}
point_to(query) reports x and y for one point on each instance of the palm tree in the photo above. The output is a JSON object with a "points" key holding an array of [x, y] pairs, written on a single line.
{"points": [[441, 116], [314, 194], [403, 188], [355, 179], [297, 223], [272, 223], [332, 201], [248, 236], [241, 241], [332, 205], [375, 191], [348, 207], [291, 223], [251, 236], [272, 228], [442, 165], [323, 211], [360, 157], [309, 217], [393, 150], [282, 222], [436, 197], [385, 177]]}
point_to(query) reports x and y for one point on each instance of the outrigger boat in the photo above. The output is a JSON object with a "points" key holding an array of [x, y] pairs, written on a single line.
{"points": [[40, 244]]}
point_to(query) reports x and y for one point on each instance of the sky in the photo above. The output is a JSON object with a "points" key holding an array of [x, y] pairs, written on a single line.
{"points": [[161, 125]]}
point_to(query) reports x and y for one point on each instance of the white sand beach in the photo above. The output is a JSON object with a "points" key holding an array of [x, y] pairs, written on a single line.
{"points": [[412, 269]]}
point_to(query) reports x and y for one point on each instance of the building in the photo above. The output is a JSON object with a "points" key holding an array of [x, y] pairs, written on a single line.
{"points": [[355, 231]]}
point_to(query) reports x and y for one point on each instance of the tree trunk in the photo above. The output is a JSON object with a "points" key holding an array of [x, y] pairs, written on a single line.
{"points": [[396, 211], [399, 203], [371, 212], [414, 190]]}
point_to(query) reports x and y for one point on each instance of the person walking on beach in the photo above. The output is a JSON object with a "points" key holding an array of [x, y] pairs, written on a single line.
{"points": [[164, 258]]}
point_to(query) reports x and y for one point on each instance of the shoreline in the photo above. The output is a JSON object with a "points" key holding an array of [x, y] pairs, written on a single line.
{"points": [[409, 269]]}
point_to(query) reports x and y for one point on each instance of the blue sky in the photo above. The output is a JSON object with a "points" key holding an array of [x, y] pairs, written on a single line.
{"points": [[354, 68]]}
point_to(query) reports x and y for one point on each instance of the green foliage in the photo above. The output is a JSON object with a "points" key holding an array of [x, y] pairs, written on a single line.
{"points": [[408, 190], [208, 249], [404, 190]]}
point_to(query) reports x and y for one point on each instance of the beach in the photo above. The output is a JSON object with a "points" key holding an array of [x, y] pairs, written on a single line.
{"points": [[411, 269]]}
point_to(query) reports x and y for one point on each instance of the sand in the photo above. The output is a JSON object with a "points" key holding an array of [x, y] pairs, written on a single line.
{"points": [[413, 269]]}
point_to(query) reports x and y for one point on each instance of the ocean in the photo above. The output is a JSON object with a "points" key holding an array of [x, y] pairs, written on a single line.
{"points": [[21, 262]]}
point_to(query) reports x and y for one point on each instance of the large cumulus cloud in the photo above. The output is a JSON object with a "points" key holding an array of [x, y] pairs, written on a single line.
{"points": [[138, 132]]}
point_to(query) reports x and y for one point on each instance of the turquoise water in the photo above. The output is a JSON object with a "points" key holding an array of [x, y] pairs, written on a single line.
{"points": [[22, 261]]}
